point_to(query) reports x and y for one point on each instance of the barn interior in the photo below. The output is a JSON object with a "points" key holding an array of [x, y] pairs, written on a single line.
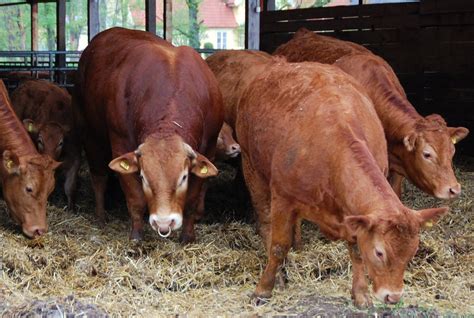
{"points": [[84, 269]]}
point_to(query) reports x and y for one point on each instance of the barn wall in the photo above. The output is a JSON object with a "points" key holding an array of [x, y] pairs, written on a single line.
{"points": [[429, 44]]}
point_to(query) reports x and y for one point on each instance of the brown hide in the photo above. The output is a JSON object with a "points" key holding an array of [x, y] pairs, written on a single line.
{"points": [[27, 177], [228, 67], [157, 110], [420, 149], [46, 112], [314, 148]]}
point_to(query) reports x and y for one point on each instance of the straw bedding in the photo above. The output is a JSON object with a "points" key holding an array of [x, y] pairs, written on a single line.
{"points": [[80, 269]]}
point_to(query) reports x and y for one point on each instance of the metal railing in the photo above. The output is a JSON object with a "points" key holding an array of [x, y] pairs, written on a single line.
{"points": [[55, 66]]}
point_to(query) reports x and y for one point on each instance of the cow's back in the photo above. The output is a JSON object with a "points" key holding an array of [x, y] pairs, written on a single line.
{"points": [[306, 112], [309, 46], [234, 70], [132, 80], [43, 102]]}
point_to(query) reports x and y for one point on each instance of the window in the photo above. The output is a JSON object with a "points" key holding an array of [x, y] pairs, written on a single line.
{"points": [[222, 40]]}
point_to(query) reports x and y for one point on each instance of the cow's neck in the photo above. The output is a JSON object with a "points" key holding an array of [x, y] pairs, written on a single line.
{"points": [[397, 114], [166, 128], [14, 135], [365, 189]]}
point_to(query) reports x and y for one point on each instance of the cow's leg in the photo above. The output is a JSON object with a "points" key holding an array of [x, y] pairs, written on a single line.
{"points": [[99, 184], [396, 181], [136, 203], [282, 225], [297, 244], [360, 290], [260, 195], [70, 184], [194, 209], [97, 158]]}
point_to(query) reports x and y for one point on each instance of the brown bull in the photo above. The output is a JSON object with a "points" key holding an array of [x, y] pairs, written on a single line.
{"points": [[27, 177], [156, 110], [47, 115], [313, 148], [420, 148]]}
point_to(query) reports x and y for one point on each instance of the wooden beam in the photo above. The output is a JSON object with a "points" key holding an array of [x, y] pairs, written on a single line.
{"points": [[92, 18], [150, 16], [252, 26], [34, 26]]}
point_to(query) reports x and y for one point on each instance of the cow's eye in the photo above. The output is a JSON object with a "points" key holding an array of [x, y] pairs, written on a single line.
{"points": [[60, 144], [426, 155], [29, 190], [183, 179], [379, 254]]}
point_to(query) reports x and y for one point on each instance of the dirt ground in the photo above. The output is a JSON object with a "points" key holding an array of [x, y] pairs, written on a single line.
{"points": [[80, 269]]}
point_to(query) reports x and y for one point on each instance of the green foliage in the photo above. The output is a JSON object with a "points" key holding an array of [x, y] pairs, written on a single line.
{"points": [[208, 45], [15, 30]]}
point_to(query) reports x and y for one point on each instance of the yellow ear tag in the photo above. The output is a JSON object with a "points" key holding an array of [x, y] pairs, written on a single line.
{"points": [[124, 164], [204, 170], [30, 127], [428, 224], [454, 140], [9, 164]]}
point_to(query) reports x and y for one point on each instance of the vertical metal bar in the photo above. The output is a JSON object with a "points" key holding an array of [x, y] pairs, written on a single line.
{"points": [[168, 20], [270, 5], [61, 37], [92, 18], [252, 25], [150, 16]]}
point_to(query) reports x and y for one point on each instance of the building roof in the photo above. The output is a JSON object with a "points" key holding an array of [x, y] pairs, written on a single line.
{"points": [[212, 13], [217, 14]]}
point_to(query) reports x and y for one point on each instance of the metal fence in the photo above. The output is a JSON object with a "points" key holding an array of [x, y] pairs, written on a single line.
{"points": [[55, 66]]}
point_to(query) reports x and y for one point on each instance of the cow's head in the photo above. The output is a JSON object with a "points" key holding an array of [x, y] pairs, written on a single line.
{"points": [[49, 137], [387, 244], [226, 146], [27, 182], [164, 167], [428, 156]]}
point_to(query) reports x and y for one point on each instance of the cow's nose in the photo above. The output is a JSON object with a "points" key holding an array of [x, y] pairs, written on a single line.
{"points": [[392, 298], [235, 147], [165, 224], [35, 231], [455, 191]]}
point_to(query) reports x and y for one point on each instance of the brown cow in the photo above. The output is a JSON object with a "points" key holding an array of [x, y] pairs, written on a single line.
{"points": [[27, 176], [420, 148], [226, 146], [46, 111], [157, 110], [233, 82], [313, 148]]}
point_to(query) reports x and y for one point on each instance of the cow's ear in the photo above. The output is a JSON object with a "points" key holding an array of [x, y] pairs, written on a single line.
{"points": [[457, 133], [202, 167], [428, 217], [410, 140], [125, 164], [30, 126], [11, 162], [356, 223]]}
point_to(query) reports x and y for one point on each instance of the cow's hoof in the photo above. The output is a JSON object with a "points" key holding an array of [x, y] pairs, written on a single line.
{"points": [[259, 300], [280, 280], [362, 300], [136, 235], [187, 239], [71, 208]]}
